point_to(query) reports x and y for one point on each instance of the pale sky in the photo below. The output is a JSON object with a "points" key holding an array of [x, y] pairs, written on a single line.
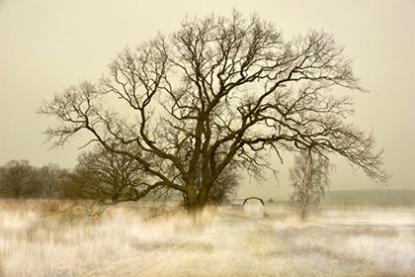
{"points": [[48, 45]]}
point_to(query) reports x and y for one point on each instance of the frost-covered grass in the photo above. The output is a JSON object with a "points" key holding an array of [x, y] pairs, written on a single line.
{"points": [[52, 238]]}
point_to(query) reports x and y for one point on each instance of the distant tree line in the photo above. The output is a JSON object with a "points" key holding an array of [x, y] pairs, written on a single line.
{"points": [[19, 179], [99, 175]]}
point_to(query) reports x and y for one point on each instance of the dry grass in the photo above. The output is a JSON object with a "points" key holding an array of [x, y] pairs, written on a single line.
{"points": [[53, 238]]}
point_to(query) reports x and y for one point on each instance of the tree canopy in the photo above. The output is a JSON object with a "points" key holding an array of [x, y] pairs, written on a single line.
{"points": [[219, 92]]}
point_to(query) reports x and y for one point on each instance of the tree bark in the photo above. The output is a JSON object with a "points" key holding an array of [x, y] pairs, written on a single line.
{"points": [[303, 214], [194, 206]]}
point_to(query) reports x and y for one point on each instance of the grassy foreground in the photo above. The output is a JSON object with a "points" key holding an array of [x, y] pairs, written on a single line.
{"points": [[55, 238]]}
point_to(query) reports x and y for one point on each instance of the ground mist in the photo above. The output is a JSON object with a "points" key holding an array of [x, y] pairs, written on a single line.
{"points": [[62, 238]]}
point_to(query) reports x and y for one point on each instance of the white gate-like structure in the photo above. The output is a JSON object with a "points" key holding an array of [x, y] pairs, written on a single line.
{"points": [[254, 206]]}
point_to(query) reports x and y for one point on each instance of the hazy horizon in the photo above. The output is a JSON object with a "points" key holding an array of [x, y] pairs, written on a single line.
{"points": [[47, 46]]}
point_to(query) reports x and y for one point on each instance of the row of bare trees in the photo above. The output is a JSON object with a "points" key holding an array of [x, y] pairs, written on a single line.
{"points": [[99, 175], [104, 175], [19, 179], [220, 93]]}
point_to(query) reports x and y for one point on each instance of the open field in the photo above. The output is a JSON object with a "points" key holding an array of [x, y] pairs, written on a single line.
{"points": [[46, 238]]}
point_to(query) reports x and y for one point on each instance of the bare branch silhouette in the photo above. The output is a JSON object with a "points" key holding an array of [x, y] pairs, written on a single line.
{"points": [[217, 92]]}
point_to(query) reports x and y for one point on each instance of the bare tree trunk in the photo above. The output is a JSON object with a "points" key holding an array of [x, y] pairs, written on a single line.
{"points": [[194, 206], [194, 212], [304, 213]]}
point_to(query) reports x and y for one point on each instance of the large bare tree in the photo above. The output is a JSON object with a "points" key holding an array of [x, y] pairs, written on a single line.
{"points": [[219, 92]]}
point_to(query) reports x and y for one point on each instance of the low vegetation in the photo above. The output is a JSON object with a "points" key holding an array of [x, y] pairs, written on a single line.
{"points": [[64, 238]]}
